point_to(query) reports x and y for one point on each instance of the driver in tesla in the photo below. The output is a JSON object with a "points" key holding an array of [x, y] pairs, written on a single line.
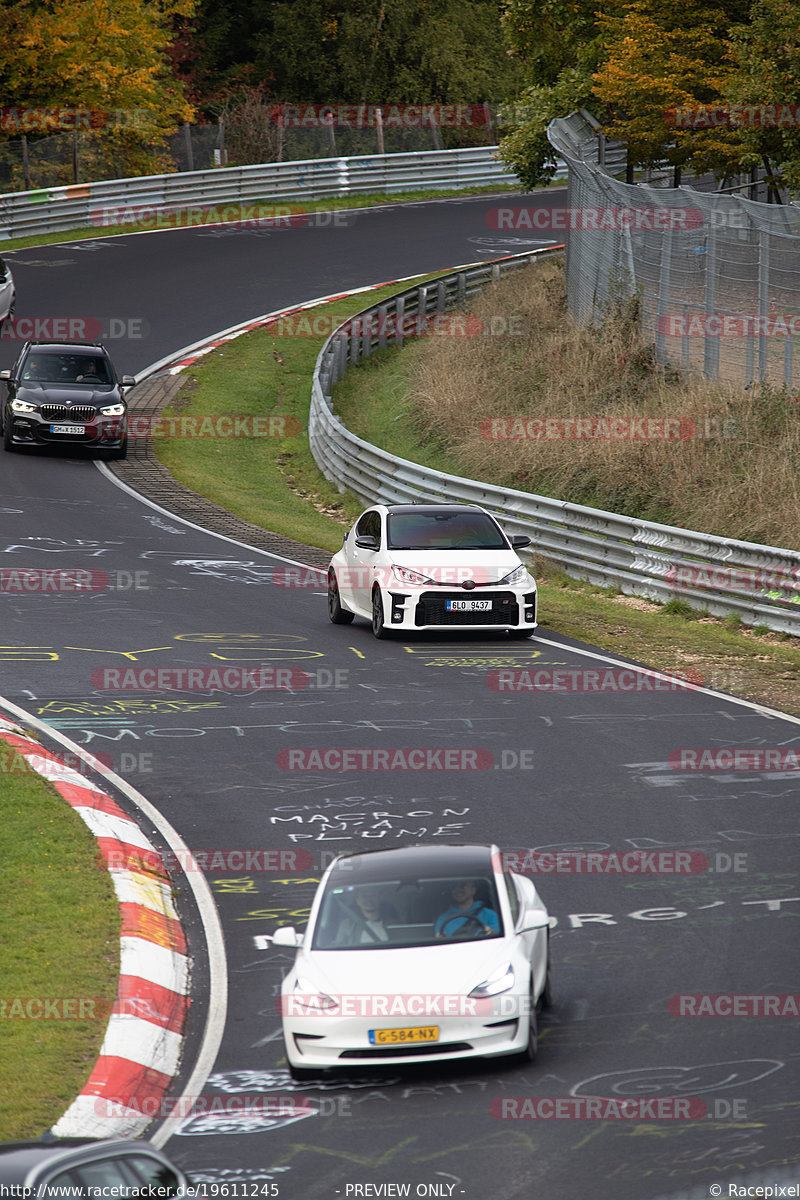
{"points": [[466, 916]]}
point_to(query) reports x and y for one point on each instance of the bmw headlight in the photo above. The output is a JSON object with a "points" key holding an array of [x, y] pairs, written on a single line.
{"points": [[501, 980], [411, 578], [21, 406], [113, 410], [515, 576]]}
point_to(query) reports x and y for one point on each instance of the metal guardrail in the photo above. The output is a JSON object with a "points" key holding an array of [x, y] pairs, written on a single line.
{"points": [[53, 210], [759, 583]]}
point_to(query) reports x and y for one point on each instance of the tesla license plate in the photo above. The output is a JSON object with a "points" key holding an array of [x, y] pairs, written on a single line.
{"points": [[401, 1037], [468, 605], [67, 429]]}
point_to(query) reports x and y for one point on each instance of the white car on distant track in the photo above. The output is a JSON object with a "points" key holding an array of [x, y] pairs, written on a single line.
{"points": [[432, 566], [425, 953], [7, 293]]}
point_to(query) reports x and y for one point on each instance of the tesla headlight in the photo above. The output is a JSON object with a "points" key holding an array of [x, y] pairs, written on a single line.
{"points": [[515, 576], [411, 578], [113, 410], [307, 996], [22, 406], [501, 980]]}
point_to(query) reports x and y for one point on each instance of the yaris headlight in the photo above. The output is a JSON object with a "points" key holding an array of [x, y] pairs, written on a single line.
{"points": [[515, 576], [411, 578], [501, 980]]}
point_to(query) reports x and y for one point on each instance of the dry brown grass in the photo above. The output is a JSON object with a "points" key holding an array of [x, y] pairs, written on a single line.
{"points": [[746, 486]]}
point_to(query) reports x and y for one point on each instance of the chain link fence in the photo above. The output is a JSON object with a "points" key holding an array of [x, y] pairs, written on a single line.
{"points": [[716, 277]]}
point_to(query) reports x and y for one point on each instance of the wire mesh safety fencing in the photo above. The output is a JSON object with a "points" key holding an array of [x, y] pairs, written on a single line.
{"points": [[716, 278]]}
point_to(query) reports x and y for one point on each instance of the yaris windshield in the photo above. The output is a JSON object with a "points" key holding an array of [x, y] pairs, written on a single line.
{"points": [[443, 531]]}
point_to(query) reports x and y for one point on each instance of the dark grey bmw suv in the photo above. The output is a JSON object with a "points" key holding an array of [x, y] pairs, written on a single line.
{"points": [[66, 393]]}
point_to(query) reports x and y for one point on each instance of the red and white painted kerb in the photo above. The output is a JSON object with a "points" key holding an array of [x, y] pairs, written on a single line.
{"points": [[143, 1043]]}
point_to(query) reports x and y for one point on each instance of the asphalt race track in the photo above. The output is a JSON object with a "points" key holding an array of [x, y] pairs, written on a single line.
{"points": [[580, 770]]}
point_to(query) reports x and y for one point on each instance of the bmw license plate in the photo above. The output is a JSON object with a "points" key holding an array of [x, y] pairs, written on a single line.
{"points": [[468, 605], [404, 1037], [67, 428]]}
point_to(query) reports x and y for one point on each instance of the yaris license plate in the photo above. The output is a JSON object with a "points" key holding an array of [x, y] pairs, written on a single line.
{"points": [[67, 428], [468, 605]]}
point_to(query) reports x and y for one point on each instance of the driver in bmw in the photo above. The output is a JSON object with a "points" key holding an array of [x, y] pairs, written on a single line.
{"points": [[466, 913]]}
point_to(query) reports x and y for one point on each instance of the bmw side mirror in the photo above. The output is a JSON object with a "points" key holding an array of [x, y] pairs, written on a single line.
{"points": [[128, 381], [5, 374]]}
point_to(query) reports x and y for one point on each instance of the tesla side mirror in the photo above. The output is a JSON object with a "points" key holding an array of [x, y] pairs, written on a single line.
{"points": [[287, 935], [519, 540], [367, 542], [128, 381]]}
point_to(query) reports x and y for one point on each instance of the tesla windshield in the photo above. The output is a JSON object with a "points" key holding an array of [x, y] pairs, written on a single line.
{"points": [[386, 914]]}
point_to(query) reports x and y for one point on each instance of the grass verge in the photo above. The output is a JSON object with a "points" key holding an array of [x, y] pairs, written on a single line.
{"points": [[276, 484], [61, 923]]}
